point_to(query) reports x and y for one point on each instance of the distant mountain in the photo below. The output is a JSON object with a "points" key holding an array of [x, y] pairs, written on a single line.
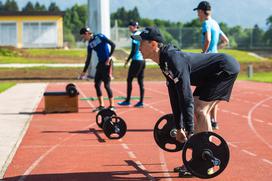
{"points": [[246, 13]]}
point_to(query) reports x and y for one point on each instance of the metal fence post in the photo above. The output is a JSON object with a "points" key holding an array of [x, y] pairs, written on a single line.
{"points": [[250, 71]]}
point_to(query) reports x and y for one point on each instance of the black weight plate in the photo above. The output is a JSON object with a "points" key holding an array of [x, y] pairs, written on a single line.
{"points": [[69, 85], [71, 90], [115, 128], [197, 144], [164, 134], [102, 115]]}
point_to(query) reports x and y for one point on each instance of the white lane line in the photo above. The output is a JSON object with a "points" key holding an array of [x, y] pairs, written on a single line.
{"points": [[234, 113], [249, 153], [250, 124], [270, 124], [125, 146], [258, 120], [140, 165], [159, 92], [148, 175], [40, 159], [84, 95], [224, 110], [233, 145], [36, 163], [267, 161], [131, 154], [244, 116], [164, 166]]}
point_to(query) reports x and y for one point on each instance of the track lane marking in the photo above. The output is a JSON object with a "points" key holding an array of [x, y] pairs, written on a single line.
{"points": [[250, 124], [249, 153]]}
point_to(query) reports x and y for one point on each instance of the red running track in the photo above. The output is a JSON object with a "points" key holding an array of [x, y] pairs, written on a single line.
{"points": [[72, 147]]}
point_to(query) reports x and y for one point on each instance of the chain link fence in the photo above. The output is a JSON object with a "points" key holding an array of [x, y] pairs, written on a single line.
{"points": [[190, 38]]}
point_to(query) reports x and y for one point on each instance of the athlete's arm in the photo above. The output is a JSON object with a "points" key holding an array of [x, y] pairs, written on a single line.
{"points": [[132, 52], [224, 40], [112, 46], [206, 42], [88, 60]]}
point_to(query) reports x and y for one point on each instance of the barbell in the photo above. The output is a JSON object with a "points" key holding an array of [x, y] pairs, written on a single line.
{"points": [[200, 153], [114, 127]]}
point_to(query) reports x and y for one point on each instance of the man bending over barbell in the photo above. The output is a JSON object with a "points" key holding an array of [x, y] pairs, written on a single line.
{"points": [[212, 74]]}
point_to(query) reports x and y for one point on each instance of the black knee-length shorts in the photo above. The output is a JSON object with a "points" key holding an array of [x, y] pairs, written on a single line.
{"points": [[217, 87]]}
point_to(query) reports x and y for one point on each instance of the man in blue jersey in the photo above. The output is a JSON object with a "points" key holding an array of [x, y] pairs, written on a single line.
{"points": [[99, 43], [211, 35], [136, 68]]}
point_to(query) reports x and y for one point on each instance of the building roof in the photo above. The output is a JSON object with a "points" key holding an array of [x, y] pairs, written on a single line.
{"points": [[31, 13]]}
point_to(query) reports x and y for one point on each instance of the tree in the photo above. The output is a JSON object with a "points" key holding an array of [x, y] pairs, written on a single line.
{"points": [[39, 7], [74, 19], [195, 23], [124, 17], [269, 22], [268, 33], [11, 5], [257, 36], [29, 7], [146, 22], [53, 7], [1, 6]]}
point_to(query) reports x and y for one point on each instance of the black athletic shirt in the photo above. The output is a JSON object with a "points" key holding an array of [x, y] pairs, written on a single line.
{"points": [[186, 69]]}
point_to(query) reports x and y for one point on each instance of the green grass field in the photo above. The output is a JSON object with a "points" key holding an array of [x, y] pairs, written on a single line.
{"points": [[241, 56], [259, 77], [23, 60], [4, 86], [48, 55], [32, 56], [72, 53]]}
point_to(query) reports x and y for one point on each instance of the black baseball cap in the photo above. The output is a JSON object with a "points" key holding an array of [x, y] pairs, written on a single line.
{"points": [[149, 33], [203, 5], [84, 30], [133, 23]]}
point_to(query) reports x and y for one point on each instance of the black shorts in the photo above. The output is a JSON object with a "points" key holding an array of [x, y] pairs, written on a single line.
{"points": [[102, 72], [136, 68], [217, 87]]}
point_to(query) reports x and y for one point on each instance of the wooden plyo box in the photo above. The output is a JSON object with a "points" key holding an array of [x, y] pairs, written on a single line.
{"points": [[57, 102]]}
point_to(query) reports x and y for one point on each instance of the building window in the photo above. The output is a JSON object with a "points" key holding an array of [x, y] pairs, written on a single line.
{"points": [[39, 34], [8, 34]]}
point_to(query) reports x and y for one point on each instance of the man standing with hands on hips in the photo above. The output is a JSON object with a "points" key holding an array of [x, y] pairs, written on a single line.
{"points": [[211, 36]]}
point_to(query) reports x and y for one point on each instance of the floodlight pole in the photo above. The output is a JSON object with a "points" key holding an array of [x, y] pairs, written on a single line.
{"points": [[99, 22]]}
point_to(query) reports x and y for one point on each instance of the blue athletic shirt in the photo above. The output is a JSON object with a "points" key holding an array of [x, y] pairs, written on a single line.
{"points": [[99, 43], [211, 26], [138, 55]]}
